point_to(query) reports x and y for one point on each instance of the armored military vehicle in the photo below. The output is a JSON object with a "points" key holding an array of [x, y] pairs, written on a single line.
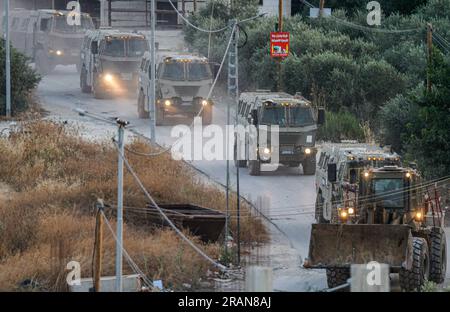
{"points": [[378, 212], [110, 62], [183, 84], [297, 121], [47, 37]]}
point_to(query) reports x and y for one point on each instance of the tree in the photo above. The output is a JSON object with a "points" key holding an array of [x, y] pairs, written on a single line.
{"points": [[23, 81]]}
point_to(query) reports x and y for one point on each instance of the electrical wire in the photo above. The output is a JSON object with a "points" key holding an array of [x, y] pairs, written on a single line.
{"points": [[130, 261], [441, 38], [171, 224], [194, 26], [442, 44]]}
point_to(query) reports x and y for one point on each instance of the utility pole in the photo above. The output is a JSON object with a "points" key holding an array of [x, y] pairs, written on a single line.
{"points": [[98, 246], [322, 5], [238, 203], [280, 29], [430, 54], [152, 108], [7, 58], [121, 125], [210, 27], [195, 6]]}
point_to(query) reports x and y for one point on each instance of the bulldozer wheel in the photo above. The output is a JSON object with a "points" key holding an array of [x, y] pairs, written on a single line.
{"points": [[309, 166], [337, 276], [438, 255], [414, 279]]}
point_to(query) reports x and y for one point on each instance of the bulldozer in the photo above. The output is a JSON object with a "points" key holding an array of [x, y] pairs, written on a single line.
{"points": [[388, 215]]}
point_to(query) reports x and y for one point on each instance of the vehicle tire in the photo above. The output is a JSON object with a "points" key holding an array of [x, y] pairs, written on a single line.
{"points": [[414, 279], [98, 94], [438, 255], [309, 166], [319, 209], [207, 115], [254, 167], [238, 163], [43, 65], [141, 106], [83, 82], [337, 276]]}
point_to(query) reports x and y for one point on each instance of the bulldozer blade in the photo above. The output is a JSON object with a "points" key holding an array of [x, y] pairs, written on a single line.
{"points": [[340, 245]]}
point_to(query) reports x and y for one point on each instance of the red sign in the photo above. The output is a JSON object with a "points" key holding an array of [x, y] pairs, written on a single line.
{"points": [[279, 44]]}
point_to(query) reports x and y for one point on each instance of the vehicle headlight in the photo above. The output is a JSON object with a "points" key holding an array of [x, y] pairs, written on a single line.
{"points": [[108, 78], [343, 214], [167, 102], [307, 151], [59, 52], [265, 153], [418, 216], [351, 211], [204, 102]]}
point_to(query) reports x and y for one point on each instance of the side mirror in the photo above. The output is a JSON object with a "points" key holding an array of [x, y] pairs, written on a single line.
{"points": [[254, 115], [332, 173], [94, 47], [321, 116]]}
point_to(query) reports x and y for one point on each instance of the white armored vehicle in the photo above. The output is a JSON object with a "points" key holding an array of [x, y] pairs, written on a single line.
{"points": [[110, 62], [183, 84], [48, 37]]}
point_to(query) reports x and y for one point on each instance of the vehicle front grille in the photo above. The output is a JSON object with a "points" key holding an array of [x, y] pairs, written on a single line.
{"points": [[186, 90]]}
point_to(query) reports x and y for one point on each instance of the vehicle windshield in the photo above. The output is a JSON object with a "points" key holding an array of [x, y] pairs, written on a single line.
{"points": [[61, 24], [389, 192], [137, 47], [173, 71], [114, 47], [199, 71], [300, 116], [274, 115]]}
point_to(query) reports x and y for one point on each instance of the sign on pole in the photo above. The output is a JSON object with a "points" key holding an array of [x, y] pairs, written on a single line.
{"points": [[279, 44]]}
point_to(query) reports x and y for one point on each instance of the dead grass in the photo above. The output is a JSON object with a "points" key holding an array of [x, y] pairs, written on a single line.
{"points": [[56, 177]]}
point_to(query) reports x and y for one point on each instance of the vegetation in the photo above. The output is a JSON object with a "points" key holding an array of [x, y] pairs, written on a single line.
{"points": [[23, 81], [47, 219], [376, 77]]}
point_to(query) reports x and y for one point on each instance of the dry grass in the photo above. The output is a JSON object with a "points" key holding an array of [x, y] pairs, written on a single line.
{"points": [[55, 178]]}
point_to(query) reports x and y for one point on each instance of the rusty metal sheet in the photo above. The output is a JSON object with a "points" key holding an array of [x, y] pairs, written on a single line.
{"points": [[340, 245]]}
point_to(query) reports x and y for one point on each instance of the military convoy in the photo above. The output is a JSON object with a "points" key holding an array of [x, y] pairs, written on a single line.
{"points": [[183, 83], [46, 37], [297, 120], [110, 62], [371, 208]]}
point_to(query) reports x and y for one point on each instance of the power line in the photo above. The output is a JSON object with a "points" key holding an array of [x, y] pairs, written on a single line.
{"points": [[171, 224]]}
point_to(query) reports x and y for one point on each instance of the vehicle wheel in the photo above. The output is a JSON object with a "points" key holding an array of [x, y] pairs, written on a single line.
{"points": [[337, 276], [414, 279], [309, 166], [141, 106], [207, 115], [43, 65], [98, 94], [254, 167], [438, 255], [319, 209], [238, 163], [83, 82]]}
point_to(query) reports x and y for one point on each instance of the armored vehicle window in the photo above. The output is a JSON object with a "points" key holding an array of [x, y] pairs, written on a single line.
{"points": [[24, 25], [247, 110], [173, 71], [15, 23], [322, 156], [274, 115], [45, 24], [199, 71], [61, 24], [389, 192], [300, 116], [137, 47], [114, 47]]}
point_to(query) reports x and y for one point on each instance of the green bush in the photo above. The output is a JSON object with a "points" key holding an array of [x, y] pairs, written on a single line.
{"points": [[23, 80], [341, 126]]}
